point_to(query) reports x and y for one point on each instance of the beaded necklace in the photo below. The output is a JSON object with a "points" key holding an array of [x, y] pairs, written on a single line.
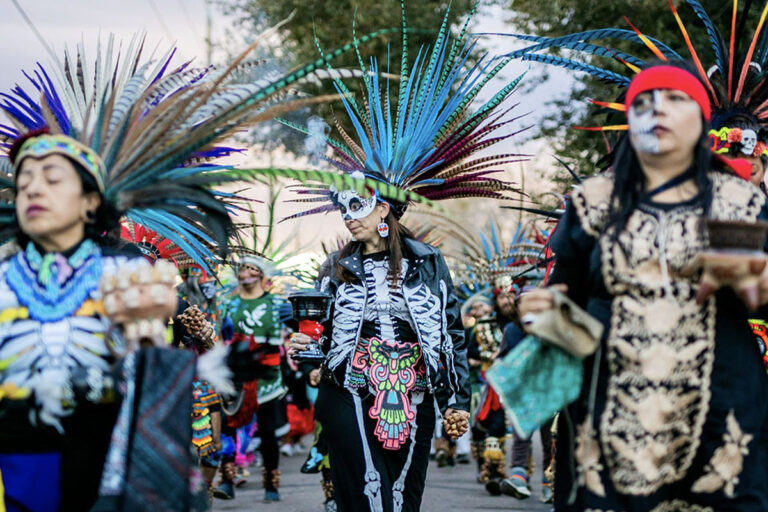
{"points": [[53, 286]]}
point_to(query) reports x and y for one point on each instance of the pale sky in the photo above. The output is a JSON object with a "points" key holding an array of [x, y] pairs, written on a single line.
{"points": [[184, 22]]}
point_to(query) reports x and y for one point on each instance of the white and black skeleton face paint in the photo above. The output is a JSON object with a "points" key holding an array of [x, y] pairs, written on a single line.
{"points": [[209, 289], [642, 120], [351, 205], [748, 141]]}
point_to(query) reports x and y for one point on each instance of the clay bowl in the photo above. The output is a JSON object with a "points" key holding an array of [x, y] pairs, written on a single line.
{"points": [[725, 235]]}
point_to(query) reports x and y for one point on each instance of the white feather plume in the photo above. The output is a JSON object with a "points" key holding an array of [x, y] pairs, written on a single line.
{"points": [[212, 367]]}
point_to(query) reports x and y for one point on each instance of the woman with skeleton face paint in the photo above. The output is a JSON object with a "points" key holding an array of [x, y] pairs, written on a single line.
{"points": [[673, 412], [394, 345]]}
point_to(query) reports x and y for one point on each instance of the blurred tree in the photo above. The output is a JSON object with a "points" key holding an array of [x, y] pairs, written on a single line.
{"points": [[560, 17], [332, 22]]}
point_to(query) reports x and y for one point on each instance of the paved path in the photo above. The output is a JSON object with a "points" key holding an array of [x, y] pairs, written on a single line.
{"points": [[451, 489]]}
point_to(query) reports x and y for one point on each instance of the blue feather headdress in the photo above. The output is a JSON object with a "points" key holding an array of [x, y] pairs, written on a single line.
{"points": [[482, 263], [425, 147]]}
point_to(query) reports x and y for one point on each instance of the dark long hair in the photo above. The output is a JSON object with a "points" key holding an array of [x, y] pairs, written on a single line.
{"points": [[106, 219], [394, 247], [629, 182]]}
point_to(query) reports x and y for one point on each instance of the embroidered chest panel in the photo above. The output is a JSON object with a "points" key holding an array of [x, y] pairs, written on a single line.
{"points": [[425, 312], [258, 319], [660, 347], [34, 349]]}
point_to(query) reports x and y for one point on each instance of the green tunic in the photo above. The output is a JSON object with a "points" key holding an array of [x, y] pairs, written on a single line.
{"points": [[258, 321]]}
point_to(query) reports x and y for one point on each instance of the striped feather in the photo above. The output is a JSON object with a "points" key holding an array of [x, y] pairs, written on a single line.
{"points": [[602, 74], [715, 39]]}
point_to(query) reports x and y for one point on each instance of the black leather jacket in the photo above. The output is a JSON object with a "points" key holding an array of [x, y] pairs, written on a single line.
{"points": [[434, 308]]}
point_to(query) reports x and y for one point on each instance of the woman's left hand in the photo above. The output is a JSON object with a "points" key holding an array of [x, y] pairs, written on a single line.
{"points": [[139, 290], [455, 422], [744, 273]]}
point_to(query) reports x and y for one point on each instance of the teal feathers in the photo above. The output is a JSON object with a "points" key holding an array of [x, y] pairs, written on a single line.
{"points": [[479, 257], [427, 143], [159, 129]]}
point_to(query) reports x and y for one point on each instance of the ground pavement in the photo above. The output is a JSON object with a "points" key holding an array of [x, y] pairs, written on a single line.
{"points": [[454, 487]]}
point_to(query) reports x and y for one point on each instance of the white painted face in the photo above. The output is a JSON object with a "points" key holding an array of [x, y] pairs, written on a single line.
{"points": [[352, 206], [748, 141], [642, 119]]}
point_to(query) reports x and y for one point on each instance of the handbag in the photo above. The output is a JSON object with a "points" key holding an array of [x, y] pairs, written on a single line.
{"points": [[567, 326], [534, 381], [544, 372]]}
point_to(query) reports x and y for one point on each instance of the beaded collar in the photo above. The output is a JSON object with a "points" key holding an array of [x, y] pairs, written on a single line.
{"points": [[53, 286]]}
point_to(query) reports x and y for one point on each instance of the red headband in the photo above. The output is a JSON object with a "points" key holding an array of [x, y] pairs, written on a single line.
{"points": [[670, 77]]}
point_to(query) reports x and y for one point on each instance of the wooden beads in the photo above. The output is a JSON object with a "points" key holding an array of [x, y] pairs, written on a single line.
{"points": [[194, 321], [455, 424]]}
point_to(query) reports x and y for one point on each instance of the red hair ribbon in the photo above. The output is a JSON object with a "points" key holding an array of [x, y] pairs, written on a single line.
{"points": [[670, 77]]}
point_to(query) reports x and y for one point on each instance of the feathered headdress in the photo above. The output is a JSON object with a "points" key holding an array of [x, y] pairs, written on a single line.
{"points": [[734, 71], [150, 134], [153, 246], [255, 243], [425, 147], [483, 263]]}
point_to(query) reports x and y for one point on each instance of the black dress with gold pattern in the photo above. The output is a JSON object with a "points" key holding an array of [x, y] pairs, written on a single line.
{"points": [[674, 417]]}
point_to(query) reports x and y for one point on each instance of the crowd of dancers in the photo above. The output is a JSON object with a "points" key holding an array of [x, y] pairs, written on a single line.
{"points": [[154, 354]]}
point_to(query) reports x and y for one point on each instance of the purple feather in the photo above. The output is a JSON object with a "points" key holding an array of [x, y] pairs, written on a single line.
{"points": [[320, 209], [54, 101], [165, 66]]}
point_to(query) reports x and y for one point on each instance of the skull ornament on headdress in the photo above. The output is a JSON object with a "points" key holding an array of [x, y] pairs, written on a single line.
{"points": [[748, 141]]}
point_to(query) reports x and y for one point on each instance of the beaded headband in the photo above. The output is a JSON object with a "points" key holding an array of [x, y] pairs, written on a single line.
{"points": [[45, 145]]}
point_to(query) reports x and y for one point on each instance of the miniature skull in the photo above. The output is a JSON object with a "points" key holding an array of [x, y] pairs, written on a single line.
{"points": [[748, 141]]}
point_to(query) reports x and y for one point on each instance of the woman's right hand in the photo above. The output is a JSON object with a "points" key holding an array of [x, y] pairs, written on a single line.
{"points": [[298, 343], [538, 300]]}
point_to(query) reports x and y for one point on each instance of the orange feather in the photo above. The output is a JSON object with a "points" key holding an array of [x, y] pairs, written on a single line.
{"points": [[614, 106], [647, 42], [695, 57], [612, 127]]}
